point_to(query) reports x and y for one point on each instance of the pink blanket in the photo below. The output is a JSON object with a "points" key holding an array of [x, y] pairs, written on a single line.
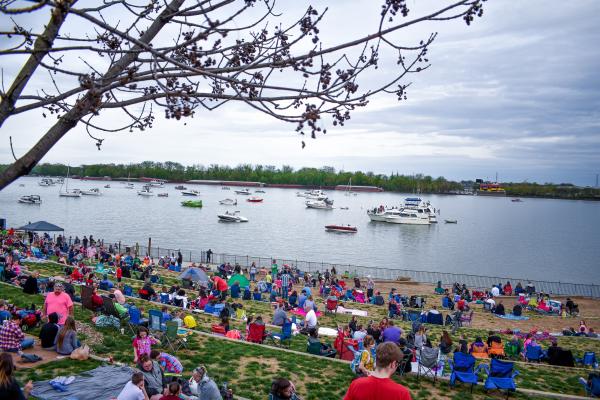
{"points": [[301, 312]]}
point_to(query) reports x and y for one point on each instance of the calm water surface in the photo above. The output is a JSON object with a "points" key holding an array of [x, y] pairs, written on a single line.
{"points": [[544, 239]]}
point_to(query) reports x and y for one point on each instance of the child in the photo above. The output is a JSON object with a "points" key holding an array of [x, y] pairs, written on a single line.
{"points": [[142, 343], [166, 314], [177, 318], [119, 273]]}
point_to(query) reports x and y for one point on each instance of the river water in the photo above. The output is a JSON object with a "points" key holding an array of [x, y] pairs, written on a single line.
{"points": [[543, 239]]}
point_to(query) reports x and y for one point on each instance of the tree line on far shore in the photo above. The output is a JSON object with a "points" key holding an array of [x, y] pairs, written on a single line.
{"points": [[316, 177]]}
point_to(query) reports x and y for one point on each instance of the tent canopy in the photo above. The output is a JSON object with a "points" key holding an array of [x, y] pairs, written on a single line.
{"points": [[239, 278], [194, 274], [41, 226]]}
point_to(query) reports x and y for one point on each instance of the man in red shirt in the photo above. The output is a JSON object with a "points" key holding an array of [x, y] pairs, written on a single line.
{"points": [[378, 385]]}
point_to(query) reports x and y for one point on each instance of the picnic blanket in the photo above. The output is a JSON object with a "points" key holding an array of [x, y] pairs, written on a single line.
{"points": [[328, 331], [90, 385], [513, 317], [359, 313], [301, 312]]}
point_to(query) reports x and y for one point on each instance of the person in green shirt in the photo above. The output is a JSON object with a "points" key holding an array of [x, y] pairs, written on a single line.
{"points": [[274, 269]]}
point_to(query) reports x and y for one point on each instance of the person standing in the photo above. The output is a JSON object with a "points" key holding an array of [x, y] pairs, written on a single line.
{"points": [[179, 258], [285, 284], [253, 272], [58, 302], [209, 254], [379, 385]]}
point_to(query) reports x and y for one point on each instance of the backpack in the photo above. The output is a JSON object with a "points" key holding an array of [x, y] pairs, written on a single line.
{"points": [[356, 361]]}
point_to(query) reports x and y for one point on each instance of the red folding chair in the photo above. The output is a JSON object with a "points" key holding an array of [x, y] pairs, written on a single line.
{"points": [[256, 333], [218, 329]]}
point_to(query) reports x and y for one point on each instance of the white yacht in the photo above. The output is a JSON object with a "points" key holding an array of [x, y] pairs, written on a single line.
{"points": [[415, 203], [31, 199], [324, 204], [231, 217], [190, 193], [46, 182], [408, 217], [91, 192], [245, 192], [156, 183], [381, 213], [228, 202]]}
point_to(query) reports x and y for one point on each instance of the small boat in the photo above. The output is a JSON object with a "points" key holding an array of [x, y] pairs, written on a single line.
{"points": [[254, 199], [225, 188], [180, 187], [245, 192], [91, 192], [106, 186], [228, 202], [130, 186], [31, 199], [451, 221], [163, 195], [324, 204], [46, 182], [156, 183], [67, 192], [259, 191], [22, 185], [517, 200], [341, 228], [190, 193], [145, 192], [343, 208], [231, 217], [192, 203]]}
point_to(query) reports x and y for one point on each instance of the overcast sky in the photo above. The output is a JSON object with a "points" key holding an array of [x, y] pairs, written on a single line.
{"points": [[517, 93]]}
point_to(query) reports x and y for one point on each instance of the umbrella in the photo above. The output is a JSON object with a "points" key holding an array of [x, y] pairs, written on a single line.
{"points": [[41, 226], [239, 278], [194, 274]]}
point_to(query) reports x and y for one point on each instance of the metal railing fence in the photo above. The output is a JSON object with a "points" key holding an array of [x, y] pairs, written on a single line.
{"points": [[447, 278]]}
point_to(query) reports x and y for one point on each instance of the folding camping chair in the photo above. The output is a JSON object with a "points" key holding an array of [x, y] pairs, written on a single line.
{"points": [[108, 308], [534, 353], [462, 368], [155, 321], [331, 306], [428, 363], [278, 339], [588, 359], [171, 336], [86, 298], [135, 319], [127, 290], [500, 375], [256, 333]]}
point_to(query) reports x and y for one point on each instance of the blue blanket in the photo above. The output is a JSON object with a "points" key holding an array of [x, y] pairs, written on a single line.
{"points": [[513, 317]]}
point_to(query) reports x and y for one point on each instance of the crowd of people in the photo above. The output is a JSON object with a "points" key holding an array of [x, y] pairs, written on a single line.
{"points": [[384, 348]]}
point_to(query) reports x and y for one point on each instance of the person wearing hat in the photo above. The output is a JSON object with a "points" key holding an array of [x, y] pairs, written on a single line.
{"points": [[59, 302]]}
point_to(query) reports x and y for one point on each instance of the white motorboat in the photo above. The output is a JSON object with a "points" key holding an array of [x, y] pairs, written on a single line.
{"points": [[31, 199], [228, 202], [315, 195], [231, 217], [156, 183], [180, 187], [130, 186], [408, 217], [190, 193], [259, 191], [324, 204], [91, 192], [163, 195], [379, 214], [145, 192], [106, 186], [46, 182], [67, 192], [245, 192], [415, 203]]}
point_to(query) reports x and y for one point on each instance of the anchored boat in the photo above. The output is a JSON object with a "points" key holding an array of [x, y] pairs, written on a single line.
{"points": [[192, 203], [231, 217], [254, 199], [31, 199], [341, 228], [228, 202]]}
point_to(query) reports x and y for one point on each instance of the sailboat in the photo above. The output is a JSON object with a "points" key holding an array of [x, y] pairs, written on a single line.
{"points": [[66, 192], [349, 191]]}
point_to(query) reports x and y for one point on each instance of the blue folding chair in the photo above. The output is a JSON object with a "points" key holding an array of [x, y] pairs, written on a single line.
{"points": [[127, 290], [445, 303], [462, 368], [592, 388], [257, 296], [589, 359], [135, 319], [436, 319], [164, 298], [284, 336], [500, 375], [155, 322], [534, 353]]}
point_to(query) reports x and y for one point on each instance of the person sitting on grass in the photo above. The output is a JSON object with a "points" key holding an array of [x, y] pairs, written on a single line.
{"points": [[279, 316], [9, 387], [202, 386], [593, 389], [326, 350], [12, 338], [282, 389], [134, 389], [153, 377], [392, 333], [142, 344], [167, 362], [367, 357], [66, 339], [478, 348], [172, 392], [379, 385], [49, 331]]}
